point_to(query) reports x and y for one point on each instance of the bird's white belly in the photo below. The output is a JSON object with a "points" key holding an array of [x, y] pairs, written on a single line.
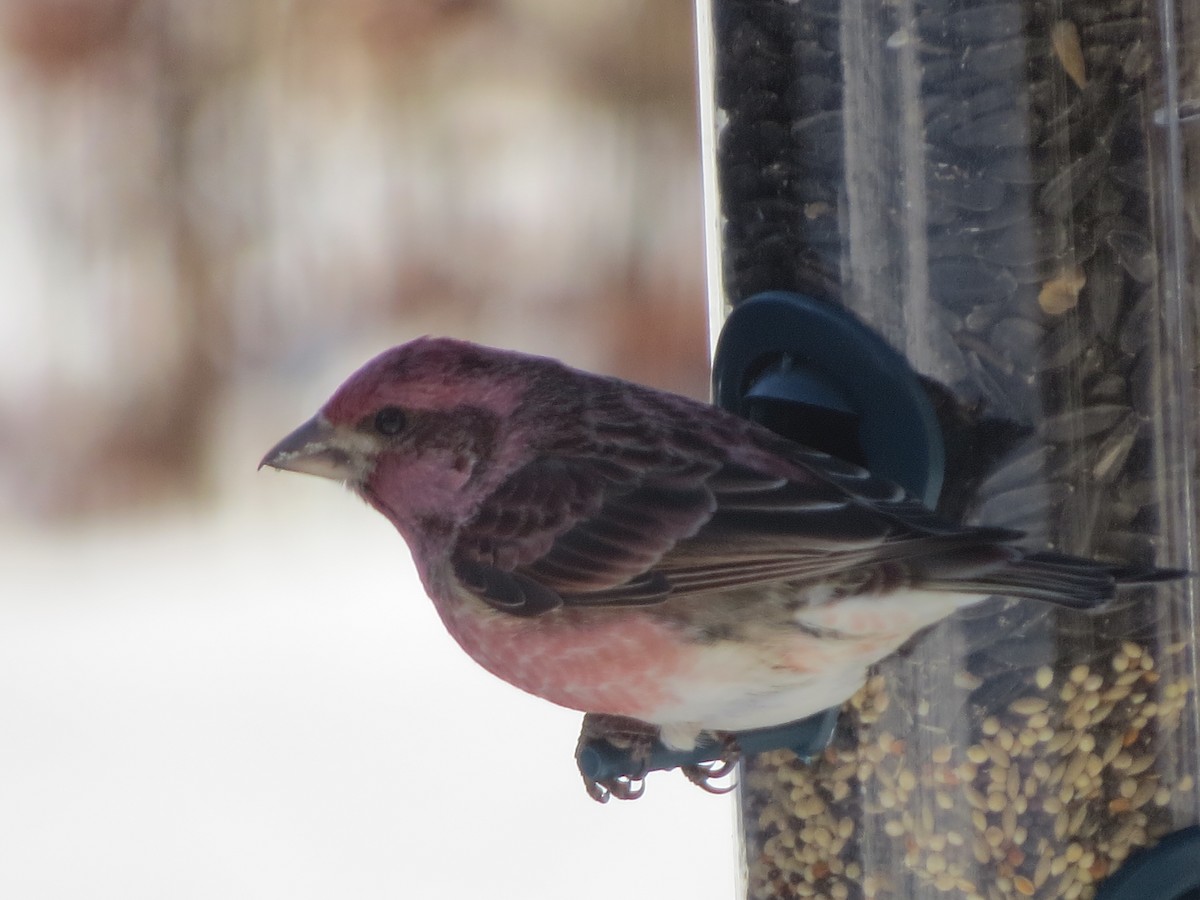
{"points": [[737, 686]]}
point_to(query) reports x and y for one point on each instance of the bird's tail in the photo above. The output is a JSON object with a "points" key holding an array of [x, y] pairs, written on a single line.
{"points": [[1067, 581]]}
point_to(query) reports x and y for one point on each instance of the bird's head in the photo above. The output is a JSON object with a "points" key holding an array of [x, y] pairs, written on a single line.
{"points": [[419, 431]]}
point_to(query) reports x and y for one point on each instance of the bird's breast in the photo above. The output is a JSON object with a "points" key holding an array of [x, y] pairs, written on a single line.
{"points": [[616, 661]]}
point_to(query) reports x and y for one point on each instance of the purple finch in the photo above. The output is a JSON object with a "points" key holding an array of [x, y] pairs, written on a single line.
{"points": [[632, 553]]}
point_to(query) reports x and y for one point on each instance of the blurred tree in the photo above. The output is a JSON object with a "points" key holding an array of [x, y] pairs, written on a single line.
{"points": [[200, 192]]}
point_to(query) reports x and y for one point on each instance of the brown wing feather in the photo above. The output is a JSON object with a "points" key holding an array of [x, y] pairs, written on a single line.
{"points": [[663, 509]]}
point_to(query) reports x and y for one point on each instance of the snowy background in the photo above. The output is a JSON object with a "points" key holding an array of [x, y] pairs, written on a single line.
{"points": [[258, 701]]}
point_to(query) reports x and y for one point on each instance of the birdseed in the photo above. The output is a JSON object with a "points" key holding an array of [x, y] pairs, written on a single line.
{"points": [[1015, 751]]}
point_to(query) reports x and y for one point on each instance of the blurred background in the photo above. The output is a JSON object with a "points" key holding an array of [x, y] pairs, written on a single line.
{"points": [[222, 683]]}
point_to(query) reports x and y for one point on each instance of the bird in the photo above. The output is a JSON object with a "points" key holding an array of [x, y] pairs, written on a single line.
{"points": [[670, 569]]}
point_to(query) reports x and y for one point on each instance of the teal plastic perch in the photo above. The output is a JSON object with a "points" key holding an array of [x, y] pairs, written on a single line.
{"points": [[810, 370], [1170, 870]]}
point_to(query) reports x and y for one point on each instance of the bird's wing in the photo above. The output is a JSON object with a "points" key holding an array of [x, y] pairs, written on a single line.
{"points": [[580, 527], [831, 517], [594, 532]]}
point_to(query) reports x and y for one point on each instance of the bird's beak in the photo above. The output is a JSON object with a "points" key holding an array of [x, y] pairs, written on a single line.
{"points": [[312, 449]]}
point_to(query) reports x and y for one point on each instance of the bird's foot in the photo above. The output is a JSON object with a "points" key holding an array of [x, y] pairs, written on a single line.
{"points": [[622, 787], [706, 775], [634, 737]]}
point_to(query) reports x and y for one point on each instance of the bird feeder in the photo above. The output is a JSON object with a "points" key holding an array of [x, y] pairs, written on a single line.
{"points": [[1005, 193]]}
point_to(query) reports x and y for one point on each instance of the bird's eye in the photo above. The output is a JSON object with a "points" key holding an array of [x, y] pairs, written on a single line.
{"points": [[389, 420]]}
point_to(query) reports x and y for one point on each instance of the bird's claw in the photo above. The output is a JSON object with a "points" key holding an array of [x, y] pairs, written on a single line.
{"points": [[706, 775], [636, 738], [623, 788]]}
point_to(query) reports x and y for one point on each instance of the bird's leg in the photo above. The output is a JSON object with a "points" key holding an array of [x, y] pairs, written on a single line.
{"points": [[631, 735], [705, 775]]}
